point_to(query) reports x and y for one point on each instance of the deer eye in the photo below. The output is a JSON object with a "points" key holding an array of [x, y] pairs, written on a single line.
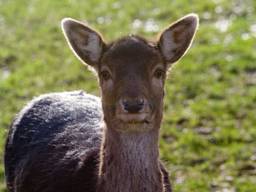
{"points": [[105, 75], [159, 73]]}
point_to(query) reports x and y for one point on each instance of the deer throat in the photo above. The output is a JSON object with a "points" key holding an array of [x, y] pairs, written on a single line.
{"points": [[130, 162]]}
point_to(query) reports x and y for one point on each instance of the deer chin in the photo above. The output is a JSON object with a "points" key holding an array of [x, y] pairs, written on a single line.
{"points": [[136, 118], [138, 122]]}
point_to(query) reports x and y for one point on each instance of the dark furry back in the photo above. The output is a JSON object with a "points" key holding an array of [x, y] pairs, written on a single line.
{"points": [[53, 144]]}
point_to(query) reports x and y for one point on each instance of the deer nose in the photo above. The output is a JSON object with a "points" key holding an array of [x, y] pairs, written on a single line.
{"points": [[133, 105]]}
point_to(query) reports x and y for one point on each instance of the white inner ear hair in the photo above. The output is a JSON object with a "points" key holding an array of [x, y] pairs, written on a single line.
{"points": [[169, 45], [93, 47], [173, 40]]}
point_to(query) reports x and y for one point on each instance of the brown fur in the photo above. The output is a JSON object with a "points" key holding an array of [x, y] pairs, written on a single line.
{"points": [[132, 70]]}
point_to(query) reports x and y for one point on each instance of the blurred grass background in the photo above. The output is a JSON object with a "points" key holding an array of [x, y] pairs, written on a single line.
{"points": [[209, 128]]}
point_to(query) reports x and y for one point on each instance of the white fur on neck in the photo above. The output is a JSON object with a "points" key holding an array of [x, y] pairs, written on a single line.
{"points": [[130, 162]]}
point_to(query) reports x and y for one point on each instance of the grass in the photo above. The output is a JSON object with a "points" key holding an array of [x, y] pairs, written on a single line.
{"points": [[209, 128]]}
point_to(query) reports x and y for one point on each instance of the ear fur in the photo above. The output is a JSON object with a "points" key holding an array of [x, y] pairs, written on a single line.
{"points": [[84, 41], [176, 39]]}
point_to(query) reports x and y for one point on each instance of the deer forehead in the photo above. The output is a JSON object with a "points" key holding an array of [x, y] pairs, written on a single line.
{"points": [[131, 53]]}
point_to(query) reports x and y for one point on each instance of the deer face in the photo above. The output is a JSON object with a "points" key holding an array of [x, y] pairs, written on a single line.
{"points": [[131, 70], [132, 75]]}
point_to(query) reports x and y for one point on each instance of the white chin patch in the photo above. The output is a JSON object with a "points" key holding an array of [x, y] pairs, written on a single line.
{"points": [[133, 118]]}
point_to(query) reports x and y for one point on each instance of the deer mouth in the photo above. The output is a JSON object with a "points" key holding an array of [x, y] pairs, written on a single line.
{"points": [[137, 118]]}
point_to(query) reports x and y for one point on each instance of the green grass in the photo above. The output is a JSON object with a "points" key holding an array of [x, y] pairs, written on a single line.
{"points": [[209, 128]]}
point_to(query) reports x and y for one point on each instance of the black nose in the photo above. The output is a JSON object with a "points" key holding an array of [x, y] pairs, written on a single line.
{"points": [[133, 105]]}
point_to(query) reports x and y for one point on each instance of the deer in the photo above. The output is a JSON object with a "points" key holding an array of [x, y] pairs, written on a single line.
{"points": [[77, 142]]}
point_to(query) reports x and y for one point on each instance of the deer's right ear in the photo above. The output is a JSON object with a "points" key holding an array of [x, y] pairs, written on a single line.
{"points": [[85, 42]]}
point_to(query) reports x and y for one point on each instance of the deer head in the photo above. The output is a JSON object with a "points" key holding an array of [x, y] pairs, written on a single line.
{"points": [[131, 70]]}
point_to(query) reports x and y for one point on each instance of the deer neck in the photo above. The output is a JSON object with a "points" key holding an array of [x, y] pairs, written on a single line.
{"points": [[129, 162]]}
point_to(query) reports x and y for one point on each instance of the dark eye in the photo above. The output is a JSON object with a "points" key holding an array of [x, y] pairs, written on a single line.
{"points": [[105, 75], [159, 73]]}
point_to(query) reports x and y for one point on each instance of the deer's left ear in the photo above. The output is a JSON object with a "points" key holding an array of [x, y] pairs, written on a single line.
{"points": [[176, 39]]}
